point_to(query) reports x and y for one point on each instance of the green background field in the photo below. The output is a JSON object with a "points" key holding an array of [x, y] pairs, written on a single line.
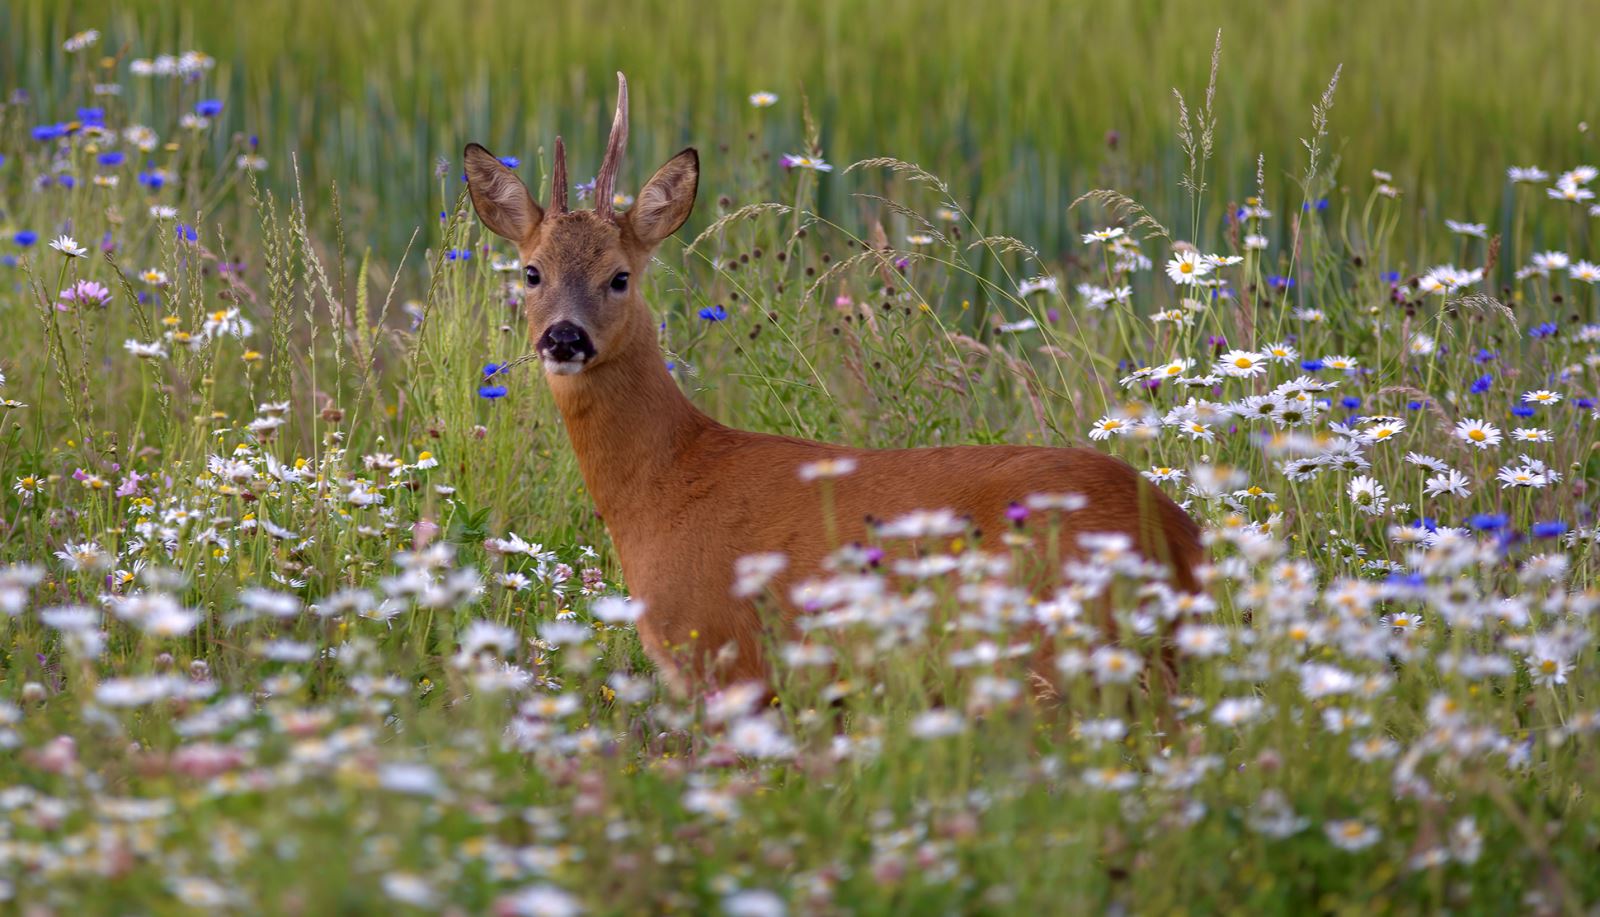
{"points": [[1011, 101]]}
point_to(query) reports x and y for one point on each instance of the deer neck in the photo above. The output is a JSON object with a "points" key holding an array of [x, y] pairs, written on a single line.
{"points": [[628, 422]]}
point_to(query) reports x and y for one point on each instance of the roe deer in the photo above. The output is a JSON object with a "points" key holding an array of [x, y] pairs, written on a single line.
{"points": [[683, 496]]}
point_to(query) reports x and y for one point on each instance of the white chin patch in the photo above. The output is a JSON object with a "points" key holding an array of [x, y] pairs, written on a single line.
{"points": [[563, 367]]}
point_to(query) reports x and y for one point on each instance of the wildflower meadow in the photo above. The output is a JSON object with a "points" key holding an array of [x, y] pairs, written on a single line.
{"points": [[305, 609]]}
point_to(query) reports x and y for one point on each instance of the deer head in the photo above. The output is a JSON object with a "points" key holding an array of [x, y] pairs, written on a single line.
{"points": [[582, 266]]}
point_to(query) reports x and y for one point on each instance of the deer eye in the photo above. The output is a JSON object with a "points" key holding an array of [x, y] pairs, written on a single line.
{"points": [[620, 282], [533, 275]]}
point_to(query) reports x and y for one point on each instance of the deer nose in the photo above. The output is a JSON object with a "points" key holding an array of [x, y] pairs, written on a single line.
{"points": [[566, 342]]}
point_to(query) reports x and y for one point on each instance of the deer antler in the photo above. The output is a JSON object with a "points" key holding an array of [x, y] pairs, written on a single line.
{"points": [[606, 181], [558, 180]]}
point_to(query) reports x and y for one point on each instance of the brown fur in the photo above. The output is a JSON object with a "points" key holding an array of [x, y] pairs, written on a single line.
{"points": [[684, 496]]}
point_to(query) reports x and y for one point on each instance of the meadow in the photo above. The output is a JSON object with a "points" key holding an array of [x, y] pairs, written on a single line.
{"points": [[304, 608]]}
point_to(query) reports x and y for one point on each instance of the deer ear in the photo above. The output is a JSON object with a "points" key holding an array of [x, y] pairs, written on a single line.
{"points": [[666, 200], [501, 199]]}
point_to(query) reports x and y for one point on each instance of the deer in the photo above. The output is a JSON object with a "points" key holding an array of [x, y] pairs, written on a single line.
{"points": [[683, 496]]}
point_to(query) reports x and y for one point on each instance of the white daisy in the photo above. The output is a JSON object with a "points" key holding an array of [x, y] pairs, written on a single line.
{"points": [[68, 246], [1242, 363], [1102, 235], [1450, 482], [1479, 433], [1187, 267]]}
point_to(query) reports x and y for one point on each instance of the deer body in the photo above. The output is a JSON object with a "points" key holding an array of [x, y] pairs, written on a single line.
{"points": [[683, 497]]}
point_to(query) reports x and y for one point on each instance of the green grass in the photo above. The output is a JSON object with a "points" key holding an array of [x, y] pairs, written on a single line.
{"points": [[416, 728], [1012, 101]]}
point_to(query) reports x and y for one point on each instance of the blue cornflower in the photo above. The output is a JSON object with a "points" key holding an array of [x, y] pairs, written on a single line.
{"points": [[714, 314], [459, 254], [1583, 403], [1426, 522], [1481, 384], [95, 116], [1485, 356], [208, 108], [510, 162], [25, 238], [1408, 580], [1553, 528], [47, 132], [152, 179], [1542, 330], [1311, 366], [1416, 405], [1488, 522], [67, 181], [1350, 402], [1321, 205], [1391, 276], [1522, 410], [8, 260], [112, 158], [186, 233], [488, 389], [1280, 282]]}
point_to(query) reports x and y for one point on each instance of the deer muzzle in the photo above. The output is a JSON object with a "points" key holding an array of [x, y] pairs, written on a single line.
{"points": [[565, 348]]}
